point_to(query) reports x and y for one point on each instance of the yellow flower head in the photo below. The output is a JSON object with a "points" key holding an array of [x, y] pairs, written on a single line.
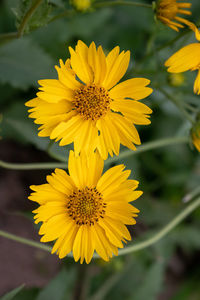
{"points": [[187, 58], [167, 11], [85, 105], [195, 134], [81, 5], [84, 211], [176, 79]]}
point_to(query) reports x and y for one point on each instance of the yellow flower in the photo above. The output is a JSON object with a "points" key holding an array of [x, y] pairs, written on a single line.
{"points": [[176, 79], [84, 211], [167, 10], [81, 5], [85, 106], [195, 134], [187, 58]]}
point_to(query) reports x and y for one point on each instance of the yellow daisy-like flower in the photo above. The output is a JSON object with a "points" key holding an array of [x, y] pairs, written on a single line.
{"points": [[187, 58], [85, 106], [167, 11], [84, 211]]}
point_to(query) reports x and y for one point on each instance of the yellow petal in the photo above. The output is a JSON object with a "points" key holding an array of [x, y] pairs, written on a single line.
{"points": [[134, 88], [111, 233], [185, 59], [125, 128], [78, 244], [197, 84], [109, 140], [97, 62], [66, 76], [119, 67], [79, 63], [134, 111], [100, 242]]}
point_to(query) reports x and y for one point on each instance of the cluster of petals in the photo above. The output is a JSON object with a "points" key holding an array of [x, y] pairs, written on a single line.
{"points": [[187, 58], [167, 12], [84, 224], [87, 107]]}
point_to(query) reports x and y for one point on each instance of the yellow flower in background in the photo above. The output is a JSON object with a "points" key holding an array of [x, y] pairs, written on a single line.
{"points": [[81, 5], [167, 12], [195, 134], [86, 211], [85, 105], [187, 58], [196, 139], [176, 79]]}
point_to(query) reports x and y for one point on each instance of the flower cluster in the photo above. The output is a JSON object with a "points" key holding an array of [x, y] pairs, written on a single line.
{"points": [[84, 211]]}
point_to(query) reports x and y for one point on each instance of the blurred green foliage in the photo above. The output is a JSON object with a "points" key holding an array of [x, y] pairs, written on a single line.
{"points": [[165, 175]]}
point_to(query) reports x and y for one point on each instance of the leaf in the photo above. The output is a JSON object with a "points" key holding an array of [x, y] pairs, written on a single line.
{"points": [[39, 18], [10, 295], [23, 63], [27, 294], [28, 132], [152, 283], [59, 288], [17, 126]]}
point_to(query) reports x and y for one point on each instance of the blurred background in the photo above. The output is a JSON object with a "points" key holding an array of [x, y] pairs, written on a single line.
{"points": [[170, 268]]}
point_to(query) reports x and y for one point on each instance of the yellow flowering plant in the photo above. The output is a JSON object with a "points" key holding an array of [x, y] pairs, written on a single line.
{"points": [[85, 120]]}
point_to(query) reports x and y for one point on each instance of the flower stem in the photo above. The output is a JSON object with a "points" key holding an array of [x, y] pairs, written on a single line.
{"points": [[136, 247], [25, 241], [27, 16], [191, 195], [32, 166], [124, 154], [113, 3], [13, 35], [177, 103], [171, 225], [148, 146]]}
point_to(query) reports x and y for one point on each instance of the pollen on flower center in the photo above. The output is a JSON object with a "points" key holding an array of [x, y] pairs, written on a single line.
{"points": [[91, 101], [86, 206]]}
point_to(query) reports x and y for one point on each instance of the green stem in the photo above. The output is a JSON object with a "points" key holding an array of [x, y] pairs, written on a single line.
{"points": [[113, 3], [27, 16], [180, 217], [165, 45], [148, 146], [8, 36], [25, 241], [132, 248], [191, 195], [65, 13], [177, 103], [145, 147], [32, 166], [13, 35]]}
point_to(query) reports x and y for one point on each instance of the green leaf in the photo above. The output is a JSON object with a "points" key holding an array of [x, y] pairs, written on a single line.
{"points": [[23, 63], [39, 18], [17, 126], [12, 294], [59, 288], [152, 283], [27, 294]]}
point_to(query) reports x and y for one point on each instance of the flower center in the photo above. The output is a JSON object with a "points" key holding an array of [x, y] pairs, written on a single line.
{"points": [[91, 101], [168, 10], [86, 206]]}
